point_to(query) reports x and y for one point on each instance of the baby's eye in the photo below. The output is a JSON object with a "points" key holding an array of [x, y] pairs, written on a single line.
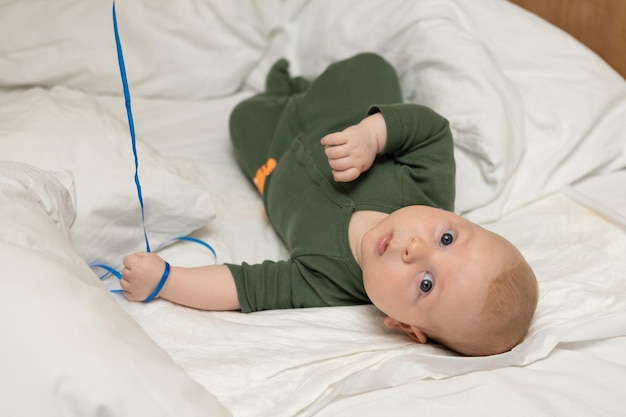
{"points": [[447, 238], [427, 284]]}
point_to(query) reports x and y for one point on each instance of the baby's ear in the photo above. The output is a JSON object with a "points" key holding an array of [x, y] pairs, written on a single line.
{"points": [[413, 332]]}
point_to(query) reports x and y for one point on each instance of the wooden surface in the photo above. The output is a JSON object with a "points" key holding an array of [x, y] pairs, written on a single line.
{"points": [[599, 24]]}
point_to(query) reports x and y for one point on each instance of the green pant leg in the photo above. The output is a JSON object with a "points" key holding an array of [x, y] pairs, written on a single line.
{"points": [[252, 125], [264, 125], [253, 122], [347, 89]]}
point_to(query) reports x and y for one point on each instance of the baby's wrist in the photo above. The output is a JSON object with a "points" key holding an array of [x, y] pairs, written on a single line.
{"points": [[377, 129], [165, 289]]}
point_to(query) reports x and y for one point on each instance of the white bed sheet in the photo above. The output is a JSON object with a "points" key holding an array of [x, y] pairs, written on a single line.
{"points": [[605, 194], [528, 118], [341, 361]]}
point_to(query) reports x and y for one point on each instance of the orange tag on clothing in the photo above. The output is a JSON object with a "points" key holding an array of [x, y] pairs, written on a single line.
{"points": [[262, 173]]}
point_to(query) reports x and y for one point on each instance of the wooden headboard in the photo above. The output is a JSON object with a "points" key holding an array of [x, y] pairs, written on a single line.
{"points": [[599, 24]]}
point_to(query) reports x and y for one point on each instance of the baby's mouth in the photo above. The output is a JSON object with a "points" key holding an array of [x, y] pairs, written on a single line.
{"points": [[383, 244]]}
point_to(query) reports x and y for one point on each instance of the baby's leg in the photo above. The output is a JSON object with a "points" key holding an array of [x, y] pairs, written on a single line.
{"points": [[253, 122], [346, 89], [263, 126]]}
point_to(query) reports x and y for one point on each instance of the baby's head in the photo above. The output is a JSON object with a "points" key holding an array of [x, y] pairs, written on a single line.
{"points": [[439, 276]]}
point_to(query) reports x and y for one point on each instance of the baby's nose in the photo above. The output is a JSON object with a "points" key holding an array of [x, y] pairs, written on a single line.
{"points": [[414, 248]]}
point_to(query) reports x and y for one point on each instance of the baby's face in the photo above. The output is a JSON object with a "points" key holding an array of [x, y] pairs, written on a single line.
{"points": [[429, 268]]}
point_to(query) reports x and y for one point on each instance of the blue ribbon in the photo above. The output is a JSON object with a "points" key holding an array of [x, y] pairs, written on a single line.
{"points": [[157, 290], [118, 275], [131, 123], [131, 126], [198, 241], [111, 271]]}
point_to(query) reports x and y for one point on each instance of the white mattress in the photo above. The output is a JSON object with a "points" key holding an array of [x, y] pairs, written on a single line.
{"points": [[538, 126]]}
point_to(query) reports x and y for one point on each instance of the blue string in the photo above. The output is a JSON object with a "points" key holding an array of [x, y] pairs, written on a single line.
{"points": [[131, 123], [118, 275], [111, 271], [131, 126], [199, 241], [157, 290]]}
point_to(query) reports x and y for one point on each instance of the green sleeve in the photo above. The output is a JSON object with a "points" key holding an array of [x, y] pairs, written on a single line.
{"points": [[292, 284], [420, 139]]}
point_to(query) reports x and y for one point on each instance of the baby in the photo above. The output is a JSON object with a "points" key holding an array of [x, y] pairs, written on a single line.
{"points": [[360, 187]]}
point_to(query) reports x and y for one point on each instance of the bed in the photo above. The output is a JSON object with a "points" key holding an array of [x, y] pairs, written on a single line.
{"points": [[538, 120]]}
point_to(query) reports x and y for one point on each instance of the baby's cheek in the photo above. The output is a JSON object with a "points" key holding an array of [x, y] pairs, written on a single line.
{"points": [[378, 293]]}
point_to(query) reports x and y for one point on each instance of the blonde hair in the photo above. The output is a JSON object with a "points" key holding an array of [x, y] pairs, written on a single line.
{"points": [[506, 315]]}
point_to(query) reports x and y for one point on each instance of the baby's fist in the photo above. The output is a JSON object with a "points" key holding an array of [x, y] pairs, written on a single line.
{"points": [[141, 274]]}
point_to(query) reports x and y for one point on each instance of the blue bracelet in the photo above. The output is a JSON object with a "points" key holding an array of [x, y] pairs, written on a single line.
{"points": [[157, 290]]}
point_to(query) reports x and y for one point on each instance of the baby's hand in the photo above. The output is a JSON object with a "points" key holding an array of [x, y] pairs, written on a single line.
{"points": [[141, 274], [353, 150]]}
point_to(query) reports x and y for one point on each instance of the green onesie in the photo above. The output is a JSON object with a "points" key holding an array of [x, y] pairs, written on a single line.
{"points": [[276, 137]]}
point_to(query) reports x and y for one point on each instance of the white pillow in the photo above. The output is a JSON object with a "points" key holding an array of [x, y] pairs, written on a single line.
{"points": [[33, 200], [181, 49], [63, 129], [67, 347]]}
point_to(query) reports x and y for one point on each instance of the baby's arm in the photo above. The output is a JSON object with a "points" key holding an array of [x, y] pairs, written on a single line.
{"points": [[353, 150], [210, 287]]}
